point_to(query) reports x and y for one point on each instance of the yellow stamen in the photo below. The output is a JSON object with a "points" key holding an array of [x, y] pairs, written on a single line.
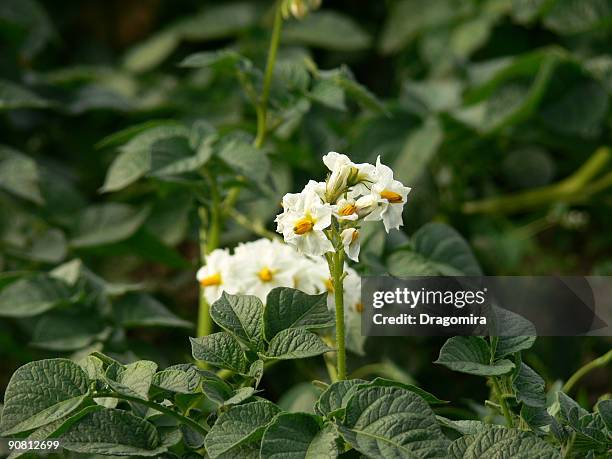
{"points": [[303, 226], [265, 274], [347, 210], [359, 307], [329, 286], [209, 281], [354, 236], [391, 196]]}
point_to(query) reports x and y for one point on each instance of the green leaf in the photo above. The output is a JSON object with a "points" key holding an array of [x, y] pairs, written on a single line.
{"points": [[246, 160], [419, 149], [300, 398], [256, 371], [296, 343], [471, 354], [218, 391], [464, 427], [14, 96], [141, 310], [428, 397], [68, 332], [507, 345], [299, 436], [570, 17], [344, 79], [150, 53], [392, 422], [42, 392], [512, 96], [336, 396], [55, 428], [19, 174], [529, 387], [499, 442], [241, 315], [218, 21], [221, 350], [328, 93], [113, 432], [604, 408], [329, 30], [239, 425], [438, 249], [107, 223], [123, 136], [178, 379], [134, 379], [291, 308], [137, 156], [216, 59], [33, 295], [585, 105], [408, 18]]}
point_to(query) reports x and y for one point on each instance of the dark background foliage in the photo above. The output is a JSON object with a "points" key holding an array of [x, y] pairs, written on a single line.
{"points": [[482, 99]]}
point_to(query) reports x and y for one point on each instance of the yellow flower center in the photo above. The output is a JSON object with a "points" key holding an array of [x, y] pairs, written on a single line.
{"points": [[329, 286], [303, 225], [265, 274], [347, 210], [391, 196], [209, 281]]}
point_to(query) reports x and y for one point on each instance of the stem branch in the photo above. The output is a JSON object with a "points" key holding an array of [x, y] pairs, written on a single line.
{"points": [[502, 402], [262, 106], [601, 361]]}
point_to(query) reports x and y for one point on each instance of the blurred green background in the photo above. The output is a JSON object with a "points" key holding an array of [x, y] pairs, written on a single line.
{"points": [[494, 111]]}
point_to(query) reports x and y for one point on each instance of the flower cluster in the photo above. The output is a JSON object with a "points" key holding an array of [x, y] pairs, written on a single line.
{"points": [[257, 267], [351, 194]]}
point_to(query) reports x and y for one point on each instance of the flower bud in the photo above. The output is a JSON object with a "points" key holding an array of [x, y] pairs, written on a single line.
{"points": [[298, 8], [365, 205]]}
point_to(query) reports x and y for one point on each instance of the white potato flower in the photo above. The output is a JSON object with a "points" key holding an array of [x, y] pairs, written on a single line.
{"points": [[346, 209], [218, 275], [303, 220], [344, 174], [312, 277], [263, 265], [391, 196], [351, 243]]}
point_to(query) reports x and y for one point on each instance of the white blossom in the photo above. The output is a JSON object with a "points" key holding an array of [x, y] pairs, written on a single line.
{"points": [[351, 243], [304, 219], [218, 275], [391, 195], [345, 173], [263, 265]]}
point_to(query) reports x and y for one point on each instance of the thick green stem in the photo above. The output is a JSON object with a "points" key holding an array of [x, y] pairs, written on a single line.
{"points": [[597, 363], [502, 401], [162, 409], [262, 106], [337, 280], [212, 225]]}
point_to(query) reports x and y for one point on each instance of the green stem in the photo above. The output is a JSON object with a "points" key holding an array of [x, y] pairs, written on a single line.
{"points": [[337, 279], [262, 107], [597, 363], [571, 189], [162, 409], [502, 402]]}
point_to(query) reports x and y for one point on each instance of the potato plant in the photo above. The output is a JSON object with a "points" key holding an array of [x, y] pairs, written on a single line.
{"points": [[138, 197], [101, 406]]}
